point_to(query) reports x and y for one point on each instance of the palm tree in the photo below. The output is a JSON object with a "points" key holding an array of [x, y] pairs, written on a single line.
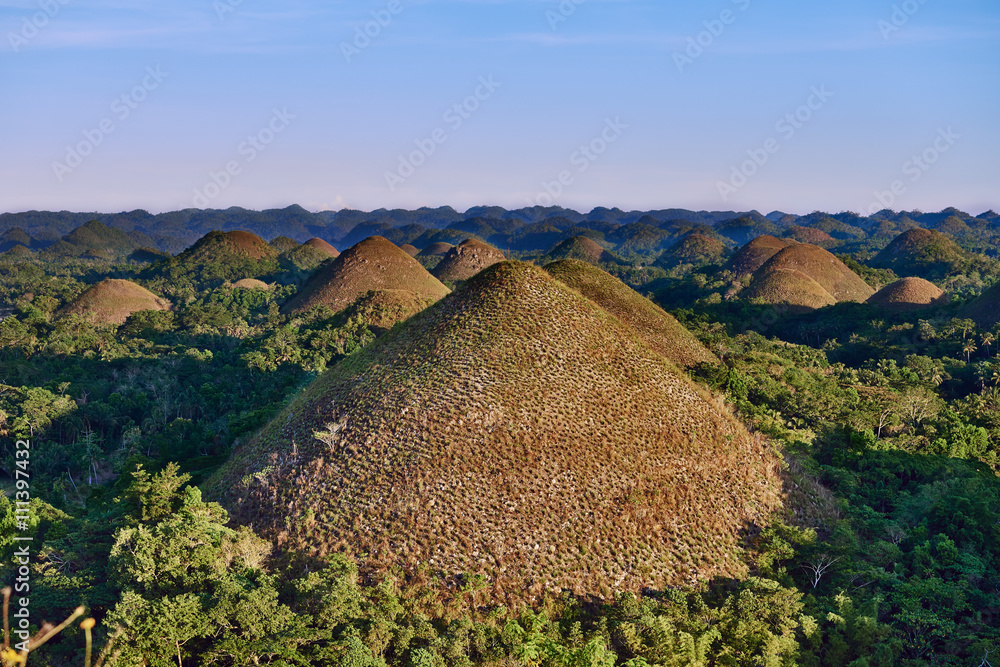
{"points": [[968, 349], [987, 340]]}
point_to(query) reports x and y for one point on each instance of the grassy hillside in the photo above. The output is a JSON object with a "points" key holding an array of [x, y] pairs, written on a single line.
{"points": [[466, 260], [111, 301], [516, 430]]}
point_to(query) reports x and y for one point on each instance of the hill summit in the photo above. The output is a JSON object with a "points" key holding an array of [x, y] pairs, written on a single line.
{"points": [[372, 264], [909, 294], [514, 429], [581, 248], [112, 301], [466, 260], [921, 252], [754, 254]]}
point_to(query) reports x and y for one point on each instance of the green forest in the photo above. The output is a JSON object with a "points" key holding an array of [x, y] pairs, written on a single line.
{"points": [[886, 423]]}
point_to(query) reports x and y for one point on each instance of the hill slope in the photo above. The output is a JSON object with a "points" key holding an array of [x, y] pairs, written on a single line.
{"points": [[215, 258], [788, 287], [372, 264], [657, 329], [696, 249], [517, 430], [909, 294], [922, 252], [466, 260], [823, 267], [581, 248], [985, 309], [754, 254], [112, 301]]}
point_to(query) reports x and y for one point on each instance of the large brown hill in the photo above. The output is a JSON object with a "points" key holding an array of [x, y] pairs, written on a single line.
{"points": [[466, 260], [582, 248], [909, 294], [112, 301], [656, 328], [922, 252], [322, 246], [517, 430], [696, 249], [372, 264], [754, 254], [823, 267], [788, 287]]}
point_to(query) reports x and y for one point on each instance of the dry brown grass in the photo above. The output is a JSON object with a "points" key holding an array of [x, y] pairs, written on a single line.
{"points": [[410, 250], [112, 301], [823, 267], [252, 283], [466, 260], [514, 429], [371, 265], [801, 234], [236, 242], [582, 248], [909, 294], [753, 255], [789, 287], [654, 327], [322, 246]]}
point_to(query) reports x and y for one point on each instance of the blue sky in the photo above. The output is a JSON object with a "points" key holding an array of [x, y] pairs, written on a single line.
{"points": [[259, 104]]}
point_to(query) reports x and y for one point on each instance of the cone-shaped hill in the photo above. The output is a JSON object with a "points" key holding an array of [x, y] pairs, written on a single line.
{"points": [[410, 250], [466, 260], [654, 327], [909, 294], [252, 284], [308, 255], [322, 246], [216, 258], [696, 249], [371, 265], [984, 309], [581, 248], [801, 234], [922, 252], [821, 266], [112, 301], [788, 287], [754, 254], [514, 429]]}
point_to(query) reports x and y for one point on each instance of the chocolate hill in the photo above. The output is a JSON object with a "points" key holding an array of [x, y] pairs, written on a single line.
{"points": [[754, 254], [921, 252], [788, 287], [410, 250], [216, 258], [466, 260], [322, 246], [517, 430], [657, 329], [581, 248], [372, 264], [251, 283], [909, 294], [821, 266], [112, 301]]}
